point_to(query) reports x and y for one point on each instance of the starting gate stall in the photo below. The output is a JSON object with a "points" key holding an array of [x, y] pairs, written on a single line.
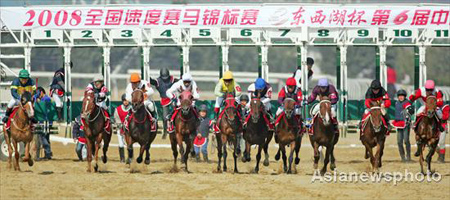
{"points": [[223, 26]]}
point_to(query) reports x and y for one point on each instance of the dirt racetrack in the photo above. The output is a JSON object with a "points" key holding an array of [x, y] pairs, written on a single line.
{"points": [[63, 177]]}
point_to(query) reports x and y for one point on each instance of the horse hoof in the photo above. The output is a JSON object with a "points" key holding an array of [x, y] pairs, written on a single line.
{"points": [[89, 170], [297, 161], [322, 172], [289, 172], [244, 159], [139, 160], [266, 162], [225, 169], [128, 161], [316, 166], [236, 171], [147, 162], [256, 170], [104, 159], [96, 167], [285, 169], [30, 162], [332, 166], [277, 157]]}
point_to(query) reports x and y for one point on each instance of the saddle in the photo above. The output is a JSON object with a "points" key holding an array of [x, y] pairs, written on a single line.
{"points": [[154, 123], [435, 129], [364, 122], [8, 124]]}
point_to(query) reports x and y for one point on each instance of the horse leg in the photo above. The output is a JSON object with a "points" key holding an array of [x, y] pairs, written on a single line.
{"points": [[277, 156], [421, 146], [173, 144], [10, 149], [298, 144], [430, 155], [377, 157], [291, 157], [381, 153], [106, 140], [89, 147], [258, 158], [316, 155], [16, 156], [97, 147], [141, 152], [248, 157], [130, 150], [333, 160], [27, 154], [225, 153], [147, 154], [266, 150], [219, 152], [188, 142], [371, 156], [326, 160], [283, 155]]}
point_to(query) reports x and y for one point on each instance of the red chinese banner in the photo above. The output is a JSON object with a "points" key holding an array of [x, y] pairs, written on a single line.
{"points": [[228, 16]]}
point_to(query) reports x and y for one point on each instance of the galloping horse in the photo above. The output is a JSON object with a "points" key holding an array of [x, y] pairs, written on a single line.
{"points": [[374, 134], [20, 130], [230, 125], [186, 123], [324, 135], [426, 132], [287, 132], [256, 132], [94, 122], [140, 128]]}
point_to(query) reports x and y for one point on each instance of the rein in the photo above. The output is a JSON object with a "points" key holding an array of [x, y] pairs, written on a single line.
{"points": [[25, 128]]}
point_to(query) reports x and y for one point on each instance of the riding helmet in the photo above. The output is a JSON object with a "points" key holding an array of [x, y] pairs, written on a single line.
{"points": [[309, 61], [98, 77], [401, 92], [323, 82], [134, 78], [24, 74], [244, 97], [291, 81], [260, 84], [228, 75], [429, 84], [187, 77], [164, 73], [375, 84]]}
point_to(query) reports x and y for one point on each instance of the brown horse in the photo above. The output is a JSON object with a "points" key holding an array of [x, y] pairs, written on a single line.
{"points": [[20, 131], [94, 123], [374, 134], [257, 132], [230, 125], [140, 128], [186, 123], [426, 132], [287, 134], [324, 135]]}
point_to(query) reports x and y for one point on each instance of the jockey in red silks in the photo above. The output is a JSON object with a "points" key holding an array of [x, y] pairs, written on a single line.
{"points": [[422, 94], [293, 92], [324, 88], [377, 93]]}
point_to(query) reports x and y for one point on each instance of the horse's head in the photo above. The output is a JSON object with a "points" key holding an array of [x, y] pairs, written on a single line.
{"points": [[230, 107], [137, 99], [289, 106], [27, 104], [376, 115], [430, 106], [88, 104], [255, 109], [186, 98], [325, 109]]}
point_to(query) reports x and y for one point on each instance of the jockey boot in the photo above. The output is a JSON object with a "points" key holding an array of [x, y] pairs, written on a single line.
{"points": [[271, 120], [440, 127], [34, 120], [419, 149], [441, 158], [122, 154], [7, 114]]}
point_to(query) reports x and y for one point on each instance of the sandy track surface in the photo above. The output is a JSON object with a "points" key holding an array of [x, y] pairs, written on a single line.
{"points": [[64, 177]]}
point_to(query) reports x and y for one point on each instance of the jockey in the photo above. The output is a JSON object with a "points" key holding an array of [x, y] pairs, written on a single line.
{"points": [[243, 109], [57, 90], [186, 83], [377, 93], [324, 88], [100, 90], [225, 85], [423, 93], [162, 84], [20, 85], [260, 88], [137, 84], [290, 91]]}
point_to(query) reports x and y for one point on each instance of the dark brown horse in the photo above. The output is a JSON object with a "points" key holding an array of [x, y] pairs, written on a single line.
{"points": [[20, 131], [324, 135], [94, 122], [374, 135], [257, 132], [140, 128], [287, 134], [426, 132], [230, 125], [186, 123]]}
